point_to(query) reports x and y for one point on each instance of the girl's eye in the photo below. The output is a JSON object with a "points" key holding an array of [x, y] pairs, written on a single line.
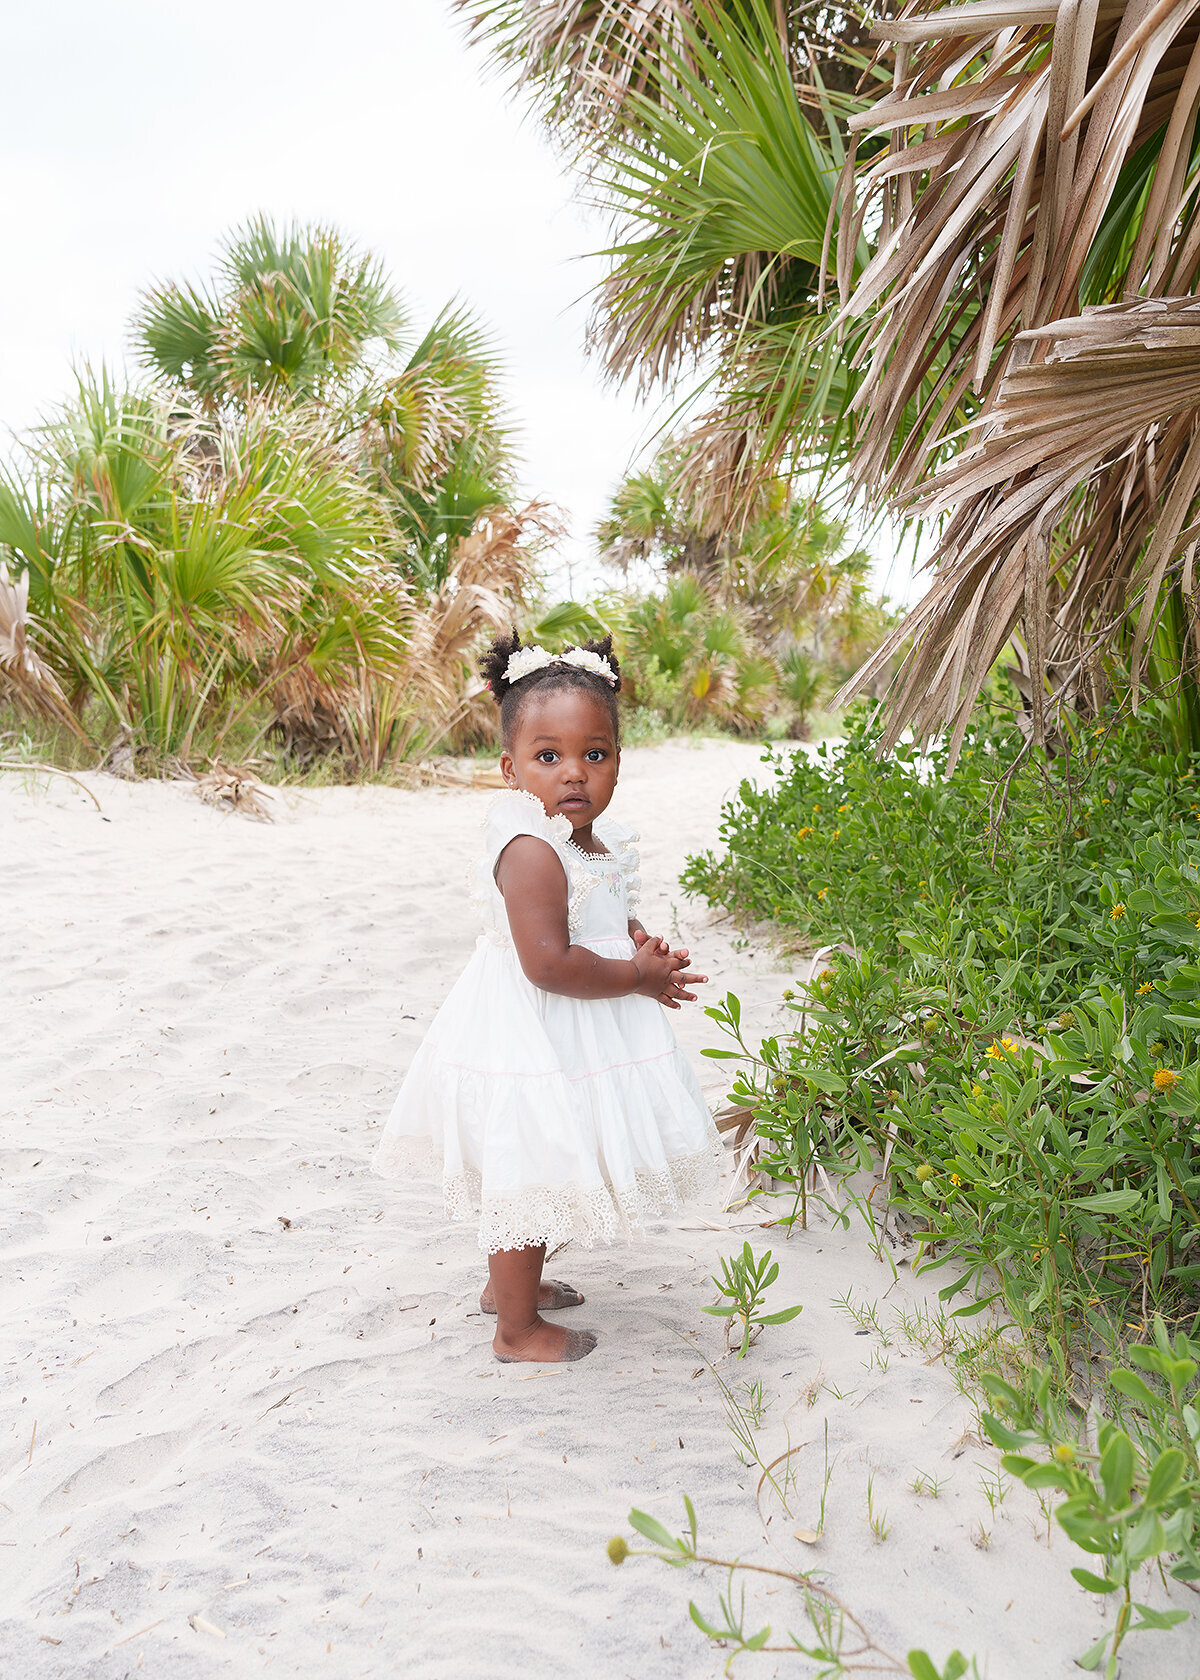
{"points": [[596, 754], [547, 755]]}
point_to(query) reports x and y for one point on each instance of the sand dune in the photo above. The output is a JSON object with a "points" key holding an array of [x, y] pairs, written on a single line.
{"points": [[250, 1420]]}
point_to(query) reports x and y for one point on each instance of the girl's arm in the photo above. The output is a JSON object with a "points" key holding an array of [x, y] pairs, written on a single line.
{"points": [[534, 885]]}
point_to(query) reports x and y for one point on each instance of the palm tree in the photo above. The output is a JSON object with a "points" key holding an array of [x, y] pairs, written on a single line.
{"points": [[705, 132], [1017, 244], [298, 316], [785, 565], [1042, 237]]}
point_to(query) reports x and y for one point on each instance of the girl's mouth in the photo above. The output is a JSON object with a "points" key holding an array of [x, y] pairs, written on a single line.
{"points": [[574, 801]]}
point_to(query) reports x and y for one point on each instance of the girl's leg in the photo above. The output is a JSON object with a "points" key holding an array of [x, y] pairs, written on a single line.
{"points": [[553, 1296], [521, 1332]]}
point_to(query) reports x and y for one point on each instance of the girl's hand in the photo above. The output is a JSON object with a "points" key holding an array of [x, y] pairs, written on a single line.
{"points": [[657, 969], [674, 993]]}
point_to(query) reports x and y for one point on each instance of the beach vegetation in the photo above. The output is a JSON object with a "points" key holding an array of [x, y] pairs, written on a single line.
{"points": [[289, 537], [747, 628], [744, 1281], [835, 1638], [1000, 1029]]}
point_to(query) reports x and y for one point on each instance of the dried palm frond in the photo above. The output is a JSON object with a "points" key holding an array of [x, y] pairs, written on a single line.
{"points": [[234, 790], [584, 60], [1073, 511], [25, 678], [424, 699], [1038, 162]]}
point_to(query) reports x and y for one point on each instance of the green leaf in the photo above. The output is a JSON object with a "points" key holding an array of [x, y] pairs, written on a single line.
{"points": [[1116, 1468], [1157, 1618], [974, 1308], [705, 1627], [1166, 1476], [921, 1666], [781, 1317], [651, 1529], [1109, 1201], [1094, 1583], [1132, 1386], [1094, 1654]]}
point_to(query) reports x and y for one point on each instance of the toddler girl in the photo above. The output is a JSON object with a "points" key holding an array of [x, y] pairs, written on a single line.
{"points": [[549, 1082]]}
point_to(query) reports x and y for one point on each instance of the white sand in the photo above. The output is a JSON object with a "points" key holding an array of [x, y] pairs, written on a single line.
{"points": [[250, 1417]]}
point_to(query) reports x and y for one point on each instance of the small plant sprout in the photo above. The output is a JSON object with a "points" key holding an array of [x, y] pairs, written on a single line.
{"points": [[865, 1315], [840, 1643], [927, 1487], [755, 1401], [877, 1519], [744, 1282], [995, 1487]]}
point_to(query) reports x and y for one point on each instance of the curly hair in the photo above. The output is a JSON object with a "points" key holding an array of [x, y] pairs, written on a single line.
{"points": [[512, 697]]}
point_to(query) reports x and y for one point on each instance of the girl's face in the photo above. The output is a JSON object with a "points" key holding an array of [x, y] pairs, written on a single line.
{"points": [[565, 753]]}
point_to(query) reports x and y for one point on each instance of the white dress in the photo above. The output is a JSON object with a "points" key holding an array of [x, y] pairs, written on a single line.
{"points": [[553, 1117]]}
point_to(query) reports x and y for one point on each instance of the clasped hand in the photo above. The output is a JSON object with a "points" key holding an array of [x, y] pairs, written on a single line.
{"points": [[664, 973]]}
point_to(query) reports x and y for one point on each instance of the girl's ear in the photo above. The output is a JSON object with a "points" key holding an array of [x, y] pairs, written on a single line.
{"points": [[508, 769]]}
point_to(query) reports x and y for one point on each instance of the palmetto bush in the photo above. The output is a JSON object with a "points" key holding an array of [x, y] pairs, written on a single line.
{"points": [[745, 622], [297, 526]]}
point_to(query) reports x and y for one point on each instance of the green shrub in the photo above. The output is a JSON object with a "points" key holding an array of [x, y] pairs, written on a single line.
{"points": [[1011, 1036]]}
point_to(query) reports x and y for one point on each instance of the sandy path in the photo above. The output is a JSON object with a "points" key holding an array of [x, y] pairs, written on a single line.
{"points": [[269, 1434]]}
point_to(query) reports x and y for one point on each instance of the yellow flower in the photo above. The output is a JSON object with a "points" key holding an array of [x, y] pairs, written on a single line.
{"points": [[1198, 921], [977, 1090], [820, 892], [1064, 1452], [1165, 1080], [837, 834], [955, 1179], [1117, 911], [997, 1051], [842, 809], [1146, 987], [816, 810], [803, 833]]}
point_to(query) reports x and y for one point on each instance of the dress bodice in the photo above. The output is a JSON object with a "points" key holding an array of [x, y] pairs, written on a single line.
{"points": [[602, 887]]}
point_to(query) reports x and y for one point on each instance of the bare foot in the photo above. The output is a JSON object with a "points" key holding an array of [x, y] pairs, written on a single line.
{"points": [[543, 1344], [552, 1297]]}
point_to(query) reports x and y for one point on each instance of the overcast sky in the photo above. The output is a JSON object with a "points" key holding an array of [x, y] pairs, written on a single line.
{"points": [[135, 134]]}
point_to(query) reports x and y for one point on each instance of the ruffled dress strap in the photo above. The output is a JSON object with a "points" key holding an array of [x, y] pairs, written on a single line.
{"points": [[622, 841], [515, 812]]}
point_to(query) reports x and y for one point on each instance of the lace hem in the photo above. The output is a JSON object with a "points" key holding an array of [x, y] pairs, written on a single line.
{"points": [[558, 1213]]}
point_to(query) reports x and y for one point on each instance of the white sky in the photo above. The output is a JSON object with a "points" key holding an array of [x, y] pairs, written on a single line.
{"points": [[135, 132]]}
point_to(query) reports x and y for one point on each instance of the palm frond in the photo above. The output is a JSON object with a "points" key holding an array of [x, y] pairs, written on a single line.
{"points": [[1072, 513], [723, 190], [1034, 160]]}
